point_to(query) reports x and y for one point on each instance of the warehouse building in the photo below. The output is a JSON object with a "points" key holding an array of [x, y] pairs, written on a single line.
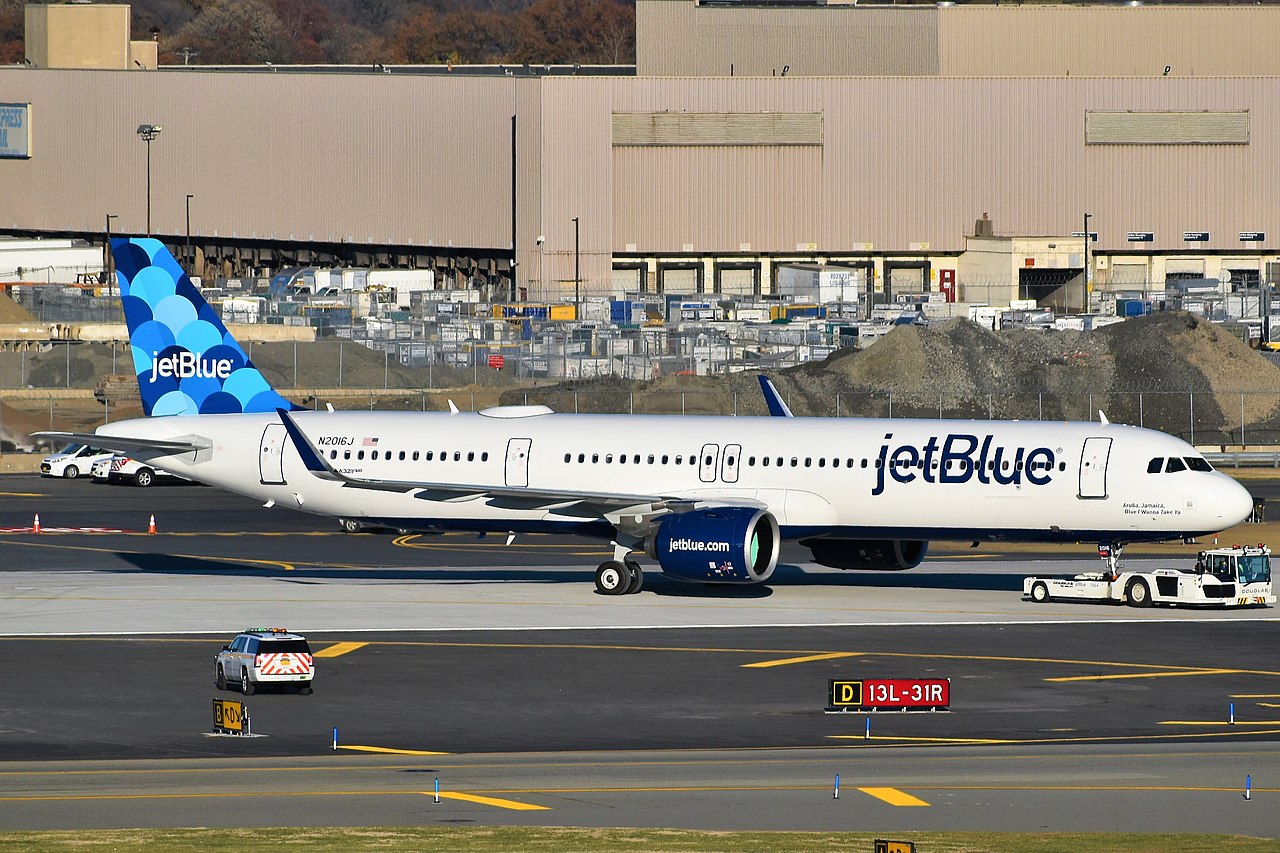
{"points": [[970, 153]]}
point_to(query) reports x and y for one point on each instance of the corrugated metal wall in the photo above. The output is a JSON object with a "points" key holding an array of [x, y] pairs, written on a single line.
{"points": [[425, 161], [916, 160], [681, 38], [330, 157], [1109, 41]]}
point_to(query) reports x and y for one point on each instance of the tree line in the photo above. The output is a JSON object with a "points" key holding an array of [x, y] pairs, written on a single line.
{"points": [[254, 32]]}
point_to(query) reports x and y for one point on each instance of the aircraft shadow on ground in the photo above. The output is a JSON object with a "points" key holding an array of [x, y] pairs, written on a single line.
{"points": [[786, 574]]}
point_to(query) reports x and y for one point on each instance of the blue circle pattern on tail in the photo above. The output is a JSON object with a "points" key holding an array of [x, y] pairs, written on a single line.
{"points": [[186, 360]]}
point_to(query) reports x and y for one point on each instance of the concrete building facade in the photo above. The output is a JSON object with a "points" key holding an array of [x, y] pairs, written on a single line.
{"points": [[691, 183]]}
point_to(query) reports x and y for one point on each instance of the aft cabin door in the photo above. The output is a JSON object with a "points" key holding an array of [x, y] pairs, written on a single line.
{"points": [[1093, 468], [271, 455], [518, 461]]}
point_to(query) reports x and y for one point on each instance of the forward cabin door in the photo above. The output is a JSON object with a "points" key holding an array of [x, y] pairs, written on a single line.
{"points": [[271, 455], [517, 472], [707, 463], [1093, 468]]}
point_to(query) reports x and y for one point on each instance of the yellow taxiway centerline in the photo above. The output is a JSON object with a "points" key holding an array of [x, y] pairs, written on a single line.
{"points": [[806, 659], [894, 797], [1144, 675], [338, 649], [388, 750], [492, 801]]}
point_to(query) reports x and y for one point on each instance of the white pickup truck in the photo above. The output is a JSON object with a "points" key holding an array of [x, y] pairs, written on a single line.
{"points": [[1222, 577]]}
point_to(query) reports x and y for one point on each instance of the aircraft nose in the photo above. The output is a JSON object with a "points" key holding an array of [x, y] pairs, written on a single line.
{"points": [[1235, 503]]}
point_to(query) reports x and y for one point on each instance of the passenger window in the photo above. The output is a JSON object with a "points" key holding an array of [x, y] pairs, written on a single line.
{"points": [[864, 463], [595, 457], [650, 458], [731, 460], [471, 456], [582, 457], [808, 462], [664, 459], [430, 455], [346, 454], [679, 457], [636, 459], [568, 456], [333, 454], [781, 461], [622, 459], [457, 456], [608, 458], [751, 461], [484, 456], [822, 462], [1154, 466], [765, 461], [1174, 464], [794, 461], [401, 455], [360, 454], [415, 456]]}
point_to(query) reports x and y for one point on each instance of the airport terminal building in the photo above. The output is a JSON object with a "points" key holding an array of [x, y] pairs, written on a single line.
{"points": [[952, 150]]}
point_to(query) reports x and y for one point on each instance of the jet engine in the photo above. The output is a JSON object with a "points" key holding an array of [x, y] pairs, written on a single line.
{"points": [[731, 544], [891, 554]]}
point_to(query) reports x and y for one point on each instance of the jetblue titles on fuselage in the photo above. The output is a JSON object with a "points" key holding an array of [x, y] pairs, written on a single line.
{"points": [[958, 458]]}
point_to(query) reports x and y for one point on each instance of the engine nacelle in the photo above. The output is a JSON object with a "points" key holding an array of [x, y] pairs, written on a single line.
{"points": [[891, 554], [733, 544]]}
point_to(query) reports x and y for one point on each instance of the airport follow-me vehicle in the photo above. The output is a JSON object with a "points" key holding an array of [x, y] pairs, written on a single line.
{"points": [[708, 498]]}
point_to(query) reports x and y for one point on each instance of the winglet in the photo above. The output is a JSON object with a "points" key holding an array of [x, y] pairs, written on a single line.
{"points": [[777, 408], [310, 457]]}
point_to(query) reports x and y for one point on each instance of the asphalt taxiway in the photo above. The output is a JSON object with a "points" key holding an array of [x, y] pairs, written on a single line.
{"points": [[499, 671]]}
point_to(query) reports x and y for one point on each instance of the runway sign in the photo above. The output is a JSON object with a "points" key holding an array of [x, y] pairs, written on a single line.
{"points": [[894, 846], [229, 715], [890, 694]]}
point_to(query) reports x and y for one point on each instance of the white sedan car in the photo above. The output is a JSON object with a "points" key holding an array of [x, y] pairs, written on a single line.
{"points": [[123, 469], [73, 461]]}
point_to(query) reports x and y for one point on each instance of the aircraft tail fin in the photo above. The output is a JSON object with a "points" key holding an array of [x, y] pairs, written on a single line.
{"points": [[778, 407], [186, 361]]}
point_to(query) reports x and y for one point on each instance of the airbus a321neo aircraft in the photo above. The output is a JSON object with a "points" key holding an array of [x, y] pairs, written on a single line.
{"points": [[708, 498]]}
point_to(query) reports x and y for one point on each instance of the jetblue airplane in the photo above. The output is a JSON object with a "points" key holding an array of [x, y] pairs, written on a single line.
{"points": [[709, 499]]}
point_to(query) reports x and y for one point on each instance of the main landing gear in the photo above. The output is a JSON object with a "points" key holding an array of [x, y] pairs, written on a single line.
{"points": [[620, 576]]}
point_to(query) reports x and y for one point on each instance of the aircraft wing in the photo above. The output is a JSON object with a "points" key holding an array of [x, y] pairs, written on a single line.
{"points": [[531, 497], [124, 444]]}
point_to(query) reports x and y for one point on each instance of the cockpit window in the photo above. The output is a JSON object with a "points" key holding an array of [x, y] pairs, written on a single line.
{"points": [[1155, 466], [1196, 463], [1174, 464]]}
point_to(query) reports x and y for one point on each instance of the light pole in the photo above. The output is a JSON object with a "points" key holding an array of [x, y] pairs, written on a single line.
{"points": [[110, 265], [186, 254], [1087, 217], [577, 270], [149, 132]]}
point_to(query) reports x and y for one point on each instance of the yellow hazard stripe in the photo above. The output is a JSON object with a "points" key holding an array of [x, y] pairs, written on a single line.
{"points": [[894, 797], [806, 659], [493, 801], [339, 649]]}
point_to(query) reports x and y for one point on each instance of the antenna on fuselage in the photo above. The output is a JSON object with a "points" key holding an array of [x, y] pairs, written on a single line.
{"points": [[1102, 417]]}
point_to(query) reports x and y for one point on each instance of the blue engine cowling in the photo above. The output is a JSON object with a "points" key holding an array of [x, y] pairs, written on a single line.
{"points": [[876, 554], [733, 544]]}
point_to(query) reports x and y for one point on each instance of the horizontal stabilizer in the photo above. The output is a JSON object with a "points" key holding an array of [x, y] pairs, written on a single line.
{"points": [[125, 444]]}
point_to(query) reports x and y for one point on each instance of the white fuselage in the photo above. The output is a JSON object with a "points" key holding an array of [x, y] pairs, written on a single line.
{"points": [[853, 478]]}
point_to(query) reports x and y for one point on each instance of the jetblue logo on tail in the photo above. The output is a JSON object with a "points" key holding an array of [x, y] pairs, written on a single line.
{"points": [[185, 365], [186, 361]]}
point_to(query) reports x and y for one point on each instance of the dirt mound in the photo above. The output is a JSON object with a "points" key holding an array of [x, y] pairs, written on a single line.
{"points": [[12, 312]]}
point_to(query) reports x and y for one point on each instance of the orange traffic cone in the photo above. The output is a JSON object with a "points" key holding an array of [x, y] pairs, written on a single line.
{"points": [[36, 527], [151, 525]]}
